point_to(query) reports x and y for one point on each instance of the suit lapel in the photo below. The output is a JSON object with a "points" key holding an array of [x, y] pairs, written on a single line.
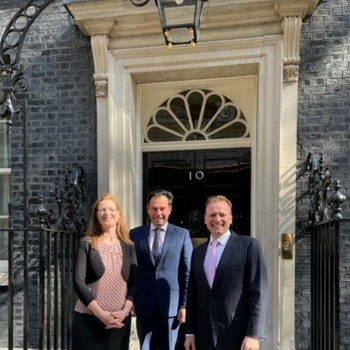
{"points": [[226, 256], [170, 235], [202, 249], [145, 242]]}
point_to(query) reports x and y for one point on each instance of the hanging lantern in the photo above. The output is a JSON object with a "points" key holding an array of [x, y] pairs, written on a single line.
{"points": [[180, 20]]}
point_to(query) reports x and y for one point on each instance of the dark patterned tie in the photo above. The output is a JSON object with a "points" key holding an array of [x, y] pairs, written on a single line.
{"points": [[157, 245]]}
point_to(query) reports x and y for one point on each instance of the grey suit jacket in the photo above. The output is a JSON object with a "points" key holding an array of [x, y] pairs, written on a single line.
{"points": [[236, 306]]}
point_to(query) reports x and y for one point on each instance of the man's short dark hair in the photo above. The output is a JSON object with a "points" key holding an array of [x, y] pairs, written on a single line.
{"points": [[160, 192]]}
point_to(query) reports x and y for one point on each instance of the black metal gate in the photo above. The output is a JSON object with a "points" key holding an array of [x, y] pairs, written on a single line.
{"points": [[325, 286], [324, 220], [40, 260]]}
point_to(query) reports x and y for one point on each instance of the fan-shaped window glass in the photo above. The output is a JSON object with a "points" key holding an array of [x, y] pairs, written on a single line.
{"points": [[196, 115]]}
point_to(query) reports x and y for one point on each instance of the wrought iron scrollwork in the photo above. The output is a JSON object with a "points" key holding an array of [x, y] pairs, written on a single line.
{"points": [[12, 79], [325, 205], [13, 37], [69, 201], [11, 82]]}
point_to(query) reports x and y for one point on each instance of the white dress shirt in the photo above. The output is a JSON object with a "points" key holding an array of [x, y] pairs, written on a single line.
{"points": [[152, 234], [222, 240]]}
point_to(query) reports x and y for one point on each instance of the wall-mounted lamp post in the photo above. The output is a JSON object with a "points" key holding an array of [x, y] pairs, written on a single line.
{"points": [[180, 19]]}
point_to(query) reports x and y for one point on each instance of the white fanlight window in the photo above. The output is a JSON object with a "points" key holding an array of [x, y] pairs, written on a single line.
{"points": [[197, 115]]}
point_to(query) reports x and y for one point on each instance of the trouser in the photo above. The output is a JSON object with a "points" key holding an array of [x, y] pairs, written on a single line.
{"points": [[156, 331]]}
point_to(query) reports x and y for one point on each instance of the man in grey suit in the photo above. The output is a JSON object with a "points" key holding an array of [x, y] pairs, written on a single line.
{"points": [[163, 253], [227, 291]]}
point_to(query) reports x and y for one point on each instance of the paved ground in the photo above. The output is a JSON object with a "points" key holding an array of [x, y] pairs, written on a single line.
{"points": [[134, 340]]}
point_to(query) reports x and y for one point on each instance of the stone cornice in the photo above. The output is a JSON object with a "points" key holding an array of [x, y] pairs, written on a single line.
{"points": [[93, 27], [130, 27], [301, 8], [119, 18]]}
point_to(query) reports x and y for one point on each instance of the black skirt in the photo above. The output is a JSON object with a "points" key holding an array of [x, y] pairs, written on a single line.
{"points": [[89, 333]]}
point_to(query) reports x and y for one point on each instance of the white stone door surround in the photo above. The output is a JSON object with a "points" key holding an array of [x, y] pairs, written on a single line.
{"points": [[132, 74], [240, 38]]}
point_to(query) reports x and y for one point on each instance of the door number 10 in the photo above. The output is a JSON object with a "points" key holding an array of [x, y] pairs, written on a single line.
{"points": [[199, 175]]}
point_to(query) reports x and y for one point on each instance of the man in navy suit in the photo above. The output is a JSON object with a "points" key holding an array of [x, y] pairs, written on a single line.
{"points": [[164, 254], [226, 311]]}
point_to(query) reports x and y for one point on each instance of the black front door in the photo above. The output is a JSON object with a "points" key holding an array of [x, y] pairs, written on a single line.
{"points": [[193, 176]]}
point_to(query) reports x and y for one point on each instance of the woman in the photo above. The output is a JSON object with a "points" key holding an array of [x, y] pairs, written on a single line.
{"points": [[105, 272]]}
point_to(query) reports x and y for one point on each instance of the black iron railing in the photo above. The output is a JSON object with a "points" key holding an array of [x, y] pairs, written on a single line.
{"points": [[43, 289], [325, 286], [324, 220], [40, 260]]}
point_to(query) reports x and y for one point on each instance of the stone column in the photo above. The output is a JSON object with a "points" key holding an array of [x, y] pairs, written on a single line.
{"points": [[291, 27], [99, 45]]}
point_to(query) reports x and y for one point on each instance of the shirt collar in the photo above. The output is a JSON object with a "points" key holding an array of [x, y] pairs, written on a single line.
{"points": [[223, 238], [164, 227]]}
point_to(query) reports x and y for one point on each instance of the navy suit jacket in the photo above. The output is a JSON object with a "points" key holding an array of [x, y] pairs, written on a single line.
{"points": [[236, 305], [166, 282]]}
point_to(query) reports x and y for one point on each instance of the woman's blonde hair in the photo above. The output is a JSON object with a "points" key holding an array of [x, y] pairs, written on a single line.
{"points": [[95, 229]]}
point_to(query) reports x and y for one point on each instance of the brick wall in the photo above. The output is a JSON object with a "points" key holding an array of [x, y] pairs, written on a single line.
{"points": [[323, 126], [58, 65], [61, 104], [62, 127]]}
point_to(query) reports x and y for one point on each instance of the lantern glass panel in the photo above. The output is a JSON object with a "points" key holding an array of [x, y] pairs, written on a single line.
{"points": [[178, 14], [180, 35]]}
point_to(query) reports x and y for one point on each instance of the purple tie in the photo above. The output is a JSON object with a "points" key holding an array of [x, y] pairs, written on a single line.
{"points": [[211, 262], [156, 248]]}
